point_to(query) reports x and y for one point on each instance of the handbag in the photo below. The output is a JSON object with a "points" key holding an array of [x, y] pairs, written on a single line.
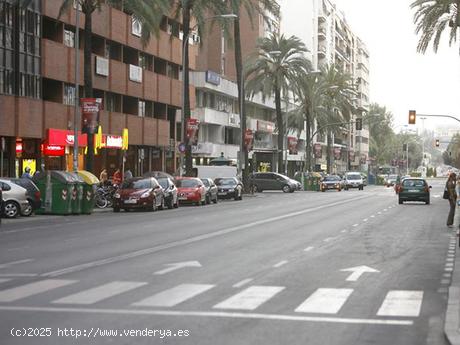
{"points": [[446, 194]]}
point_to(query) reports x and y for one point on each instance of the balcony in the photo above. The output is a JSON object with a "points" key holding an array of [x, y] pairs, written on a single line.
{"points": [[321, 51], [215, 117], [321, 33]]}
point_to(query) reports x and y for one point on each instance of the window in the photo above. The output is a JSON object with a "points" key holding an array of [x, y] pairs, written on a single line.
{"points": [[69, 38], [69, 94], [141, 112]]}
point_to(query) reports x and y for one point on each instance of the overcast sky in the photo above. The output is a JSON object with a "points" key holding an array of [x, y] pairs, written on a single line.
{"points": [[401, 79]]}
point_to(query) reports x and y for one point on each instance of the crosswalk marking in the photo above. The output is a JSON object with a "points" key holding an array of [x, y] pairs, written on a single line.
{"points": [[174, 296], [401, 303], [325, 301], [23, 291], [99, 293], [250, 298]]}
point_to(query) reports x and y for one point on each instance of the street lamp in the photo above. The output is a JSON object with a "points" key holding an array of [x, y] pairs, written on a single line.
{"points": [[184, 49], [77, 79]]}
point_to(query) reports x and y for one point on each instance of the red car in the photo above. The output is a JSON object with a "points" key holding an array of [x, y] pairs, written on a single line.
{"points": [[139, 192], [191, 189]]}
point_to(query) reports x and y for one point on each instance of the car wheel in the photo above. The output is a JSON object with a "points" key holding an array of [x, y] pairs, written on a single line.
{"points": [[427, 201], [208, 199], [170, 202], [27, 210], [256, 189], [241, 196], [400, 201], [286, 188], [116, 209], [11, 209]]}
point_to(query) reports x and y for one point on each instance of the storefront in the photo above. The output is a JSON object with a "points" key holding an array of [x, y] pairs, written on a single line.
{"points": [[61, 138]]}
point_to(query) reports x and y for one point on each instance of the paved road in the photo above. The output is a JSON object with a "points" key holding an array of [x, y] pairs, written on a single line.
{"points": [[305, 268]]}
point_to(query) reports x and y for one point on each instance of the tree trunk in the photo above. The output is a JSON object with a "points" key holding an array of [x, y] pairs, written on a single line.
{"points": [[329, 152], [308, 149], [186, 28], [88, 81], [280, 125], [241, 100]]}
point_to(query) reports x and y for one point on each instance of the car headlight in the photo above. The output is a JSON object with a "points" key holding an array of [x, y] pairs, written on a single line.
{"points": [[116, 195], [231, 190], [145, 195]]}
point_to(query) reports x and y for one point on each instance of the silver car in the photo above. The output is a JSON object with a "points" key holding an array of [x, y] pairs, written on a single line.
{"points": [[14, 199]]}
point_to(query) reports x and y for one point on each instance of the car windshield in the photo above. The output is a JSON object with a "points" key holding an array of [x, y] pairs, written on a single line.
{"points": [[187, 183], [163, 182], [137, 184], [332, 178], [354, 177], [225, 182], [414, 183], [205, 182]]}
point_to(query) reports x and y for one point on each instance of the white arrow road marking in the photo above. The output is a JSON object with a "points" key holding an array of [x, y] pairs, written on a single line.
{"points": [[8, 264], [177, 266], [357, 272]]}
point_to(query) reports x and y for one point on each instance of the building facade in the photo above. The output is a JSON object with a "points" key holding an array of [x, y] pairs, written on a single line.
{"points": [[139, 86]]}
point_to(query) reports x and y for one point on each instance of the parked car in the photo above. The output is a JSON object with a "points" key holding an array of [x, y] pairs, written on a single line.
{"points": [[353, 180], [191, 190], [211, 190], [170, 192], [33, 194], [14, 199], [331, 182], [229, 187], [271, 181], [139, 193], [414, 189], [297, 184]]}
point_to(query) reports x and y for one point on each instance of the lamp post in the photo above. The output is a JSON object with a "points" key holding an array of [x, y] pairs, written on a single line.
{"points": [[77, 79], [184, 50]]}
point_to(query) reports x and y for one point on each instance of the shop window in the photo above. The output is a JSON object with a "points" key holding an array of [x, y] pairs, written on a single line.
{"points": [[172, 71], [141, 107], [232, 136], [52, 30], [159, 66], [149, 109]]}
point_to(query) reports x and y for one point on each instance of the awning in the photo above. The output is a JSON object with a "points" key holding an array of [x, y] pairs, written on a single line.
{"points": [[64, 137]]}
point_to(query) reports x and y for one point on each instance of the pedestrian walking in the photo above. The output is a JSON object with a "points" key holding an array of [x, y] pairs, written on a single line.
{"points": [[117, 178], [451, 193], [27, 173]]}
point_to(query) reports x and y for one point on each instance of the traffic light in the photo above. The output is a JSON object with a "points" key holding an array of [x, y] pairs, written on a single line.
{"points": [[437, 143], [359, 123], [412, 117]]}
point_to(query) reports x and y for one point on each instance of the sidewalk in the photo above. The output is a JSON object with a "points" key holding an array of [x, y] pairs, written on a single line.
{"points": [[452, 322]]}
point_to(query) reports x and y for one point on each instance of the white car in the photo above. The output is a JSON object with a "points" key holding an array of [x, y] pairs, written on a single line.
{"points": [[354, 180], [14, 199]]}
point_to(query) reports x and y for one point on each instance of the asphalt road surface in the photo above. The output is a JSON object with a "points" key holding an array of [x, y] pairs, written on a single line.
{"points": [[350, 267]]}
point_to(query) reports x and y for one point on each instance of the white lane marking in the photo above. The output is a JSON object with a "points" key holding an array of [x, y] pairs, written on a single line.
{"points": [[325, 301], [373, 216], [403, 303], [4, 280], [281, 263], [99, 293], [177, 266], [445, 281], [442, 290], [18, 274], [250, 298], [308, 249], [275, 317], [8, 264], [243, 282], [329, 239], [355, 225], [379, 212], [365, 219], [27, 290], [174, 296], [343, 231], [450, 259], [198, 238]]}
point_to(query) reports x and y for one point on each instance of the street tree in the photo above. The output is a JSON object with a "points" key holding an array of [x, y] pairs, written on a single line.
{"points": [[275, 67], [432, 18]]}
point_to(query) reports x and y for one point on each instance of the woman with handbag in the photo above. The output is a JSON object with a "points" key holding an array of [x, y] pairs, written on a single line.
{"points": [[451, 194]]}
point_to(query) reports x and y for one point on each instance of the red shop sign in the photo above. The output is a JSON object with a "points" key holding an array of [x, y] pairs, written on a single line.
{"points": [[90, 114], [248, 139], [292, 145], [63, 137], [53, 150]]}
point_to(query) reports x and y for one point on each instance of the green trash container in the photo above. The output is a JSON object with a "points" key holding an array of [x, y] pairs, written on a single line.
{"points": [[55, 189], [89, 191], [77, 193]]}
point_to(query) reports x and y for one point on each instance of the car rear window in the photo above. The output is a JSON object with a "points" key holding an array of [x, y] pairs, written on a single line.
{"points": [[332, 178], [225, 181], [414, 183], [137, 184]]}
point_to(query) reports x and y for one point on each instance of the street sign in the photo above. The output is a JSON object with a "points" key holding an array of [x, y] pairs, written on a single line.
{"points": [[177, 266], [181, 147], [358, 272]]}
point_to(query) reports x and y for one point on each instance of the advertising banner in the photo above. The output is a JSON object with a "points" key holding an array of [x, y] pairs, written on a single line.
{"points": [[193, 125], [248, 139], [52, 150], [337, 152], [90, 114], [292, 145], [318, 151]]}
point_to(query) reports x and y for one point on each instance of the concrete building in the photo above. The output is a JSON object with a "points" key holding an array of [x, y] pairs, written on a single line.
{"points": [[139, 85]]}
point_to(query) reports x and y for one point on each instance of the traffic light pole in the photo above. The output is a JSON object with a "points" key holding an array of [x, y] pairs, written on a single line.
{"points": [[444, 116]]}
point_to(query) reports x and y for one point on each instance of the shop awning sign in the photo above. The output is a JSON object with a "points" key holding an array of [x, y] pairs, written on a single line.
{"points": [[53, 150], [193, 125], [248, 139], [64, 137]]}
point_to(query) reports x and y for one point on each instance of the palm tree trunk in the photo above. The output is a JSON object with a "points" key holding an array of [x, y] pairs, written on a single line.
{"points": [[329, 152], [88, 81], [186, 29], [241, 99], [308, 142], [280, 125]]}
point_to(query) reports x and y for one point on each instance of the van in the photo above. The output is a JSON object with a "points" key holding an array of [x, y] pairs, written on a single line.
{"points": [[354, 180], [214, 171]]}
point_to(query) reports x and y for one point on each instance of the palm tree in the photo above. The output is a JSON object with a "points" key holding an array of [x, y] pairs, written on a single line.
{"points": [[432, 18], [337, 105], [275, 67]]}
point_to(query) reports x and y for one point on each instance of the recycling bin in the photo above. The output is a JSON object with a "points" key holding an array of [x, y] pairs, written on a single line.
{"points": [[89, 191], [77, 193], [55, 189]]}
